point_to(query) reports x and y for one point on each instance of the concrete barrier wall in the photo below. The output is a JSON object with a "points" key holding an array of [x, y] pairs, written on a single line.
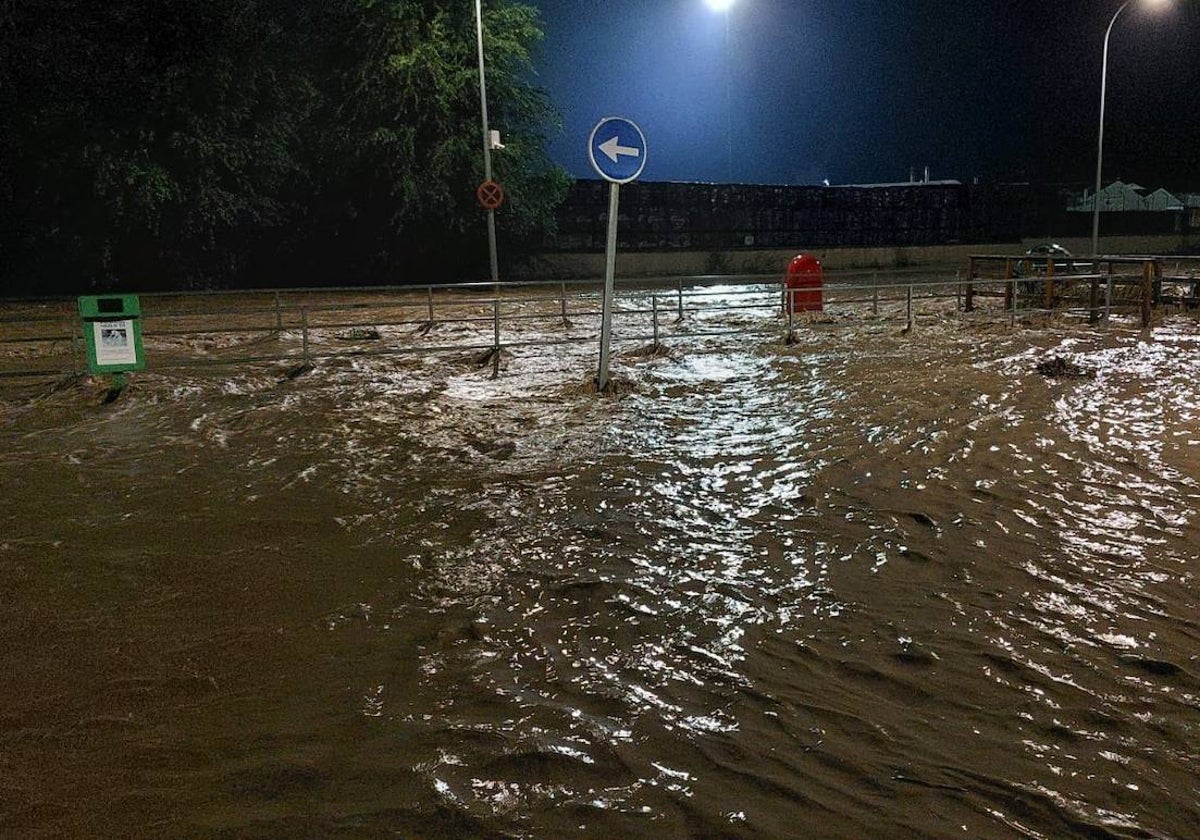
{"points": [[774, 261]]}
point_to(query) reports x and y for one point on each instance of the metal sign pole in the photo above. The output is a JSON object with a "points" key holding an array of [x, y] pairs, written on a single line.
{"points": [[609, 274], [487, 144], [617, 149]]}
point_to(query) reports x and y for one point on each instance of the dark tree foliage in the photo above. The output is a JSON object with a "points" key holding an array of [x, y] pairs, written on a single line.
{"points": [[153, 144]]}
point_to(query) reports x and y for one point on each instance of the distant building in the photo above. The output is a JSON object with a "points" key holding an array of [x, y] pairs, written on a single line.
{"points": [[1160, 199], [1122, 197], [949, 182]]}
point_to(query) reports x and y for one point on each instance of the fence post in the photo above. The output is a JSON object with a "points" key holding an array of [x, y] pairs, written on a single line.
{"points": [[563, 286], [969, 298], [1108, 286], [430, 289], [958, 307], [496, 338], [654, 310], [1147, 292], [908, 306], [304, 334], [1010, 289], [1094, 297], [790, 338], [1048, 294], [679, 291]]}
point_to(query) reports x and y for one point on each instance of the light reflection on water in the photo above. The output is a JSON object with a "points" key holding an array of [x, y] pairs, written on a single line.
{"points": [[870, 583]]}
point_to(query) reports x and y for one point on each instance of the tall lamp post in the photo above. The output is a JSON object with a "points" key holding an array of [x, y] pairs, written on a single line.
{"points": [[724, 6], [1100, 140], [487, 145]]}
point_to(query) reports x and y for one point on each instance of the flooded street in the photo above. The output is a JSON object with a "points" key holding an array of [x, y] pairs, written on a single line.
{"points": [[872, 584]]}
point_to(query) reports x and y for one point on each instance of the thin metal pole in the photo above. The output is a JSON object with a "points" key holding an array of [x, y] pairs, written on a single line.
{"points": [[1100, 138], [908, 296], [304, 333], [1147, 293], [278, 315], [654, 309], [430, 289], [1048, 286], [1012, 292], [496, 339], [564, 303], [790, 298], [609, 273], [1108, 286], [679, 292], [487, 143], [1094, 297]]}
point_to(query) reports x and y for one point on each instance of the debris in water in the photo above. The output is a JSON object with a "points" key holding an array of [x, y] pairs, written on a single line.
{"points": [[615, 387], [1060, 367], [650, 351], [297, 371], [360, 334], [923, 519]]}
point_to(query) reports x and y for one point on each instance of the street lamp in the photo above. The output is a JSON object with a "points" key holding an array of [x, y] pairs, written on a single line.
{"points": [[723, 7], [1100, 140], [487, 146]]}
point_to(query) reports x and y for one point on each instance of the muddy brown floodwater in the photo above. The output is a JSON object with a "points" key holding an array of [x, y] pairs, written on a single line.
{"points": [[870, 585]]}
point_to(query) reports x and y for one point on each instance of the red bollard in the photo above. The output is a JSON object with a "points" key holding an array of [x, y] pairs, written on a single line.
{"points": [[804, 284]]}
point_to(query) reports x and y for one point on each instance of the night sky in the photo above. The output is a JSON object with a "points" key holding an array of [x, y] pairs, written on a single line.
{"points": [[863, 91]]}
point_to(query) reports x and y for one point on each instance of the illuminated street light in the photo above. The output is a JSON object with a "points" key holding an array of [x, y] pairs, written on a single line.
{"points": [[1100, 141], [719, 5]]}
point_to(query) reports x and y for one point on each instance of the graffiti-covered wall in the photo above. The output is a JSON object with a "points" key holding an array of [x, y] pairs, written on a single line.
{"points": [[711, 217]]}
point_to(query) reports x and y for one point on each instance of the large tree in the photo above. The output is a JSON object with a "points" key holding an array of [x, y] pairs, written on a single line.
{"points": [[398, 143], [147, 141], [167, 143]]}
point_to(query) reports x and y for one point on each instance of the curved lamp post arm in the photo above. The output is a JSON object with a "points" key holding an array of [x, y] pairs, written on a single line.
{"points": [[1100, 138]]}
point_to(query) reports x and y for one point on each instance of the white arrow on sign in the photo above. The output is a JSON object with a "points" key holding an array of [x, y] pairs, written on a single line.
{"points": [[612, 148]]}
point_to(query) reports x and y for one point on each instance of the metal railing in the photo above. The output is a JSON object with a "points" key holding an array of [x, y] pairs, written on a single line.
{"points": [[301, 327]]}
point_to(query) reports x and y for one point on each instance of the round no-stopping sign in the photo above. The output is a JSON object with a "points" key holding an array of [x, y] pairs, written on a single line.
{"points": [[490, 195]]}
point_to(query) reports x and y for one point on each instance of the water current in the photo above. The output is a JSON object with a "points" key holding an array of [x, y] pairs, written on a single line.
{"points": [[873, 584]]}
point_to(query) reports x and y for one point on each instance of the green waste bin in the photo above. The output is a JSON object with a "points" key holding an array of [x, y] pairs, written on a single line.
{"points": [[112, 332]]}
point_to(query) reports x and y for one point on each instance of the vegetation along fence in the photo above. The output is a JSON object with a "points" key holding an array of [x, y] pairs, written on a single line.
{"points": [[479, 322]]}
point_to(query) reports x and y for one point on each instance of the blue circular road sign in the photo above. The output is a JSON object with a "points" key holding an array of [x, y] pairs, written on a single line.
{"points": [[617, 150]]}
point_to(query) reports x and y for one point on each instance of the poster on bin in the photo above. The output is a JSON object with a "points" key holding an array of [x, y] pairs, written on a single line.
{"points": [[114, 343]]}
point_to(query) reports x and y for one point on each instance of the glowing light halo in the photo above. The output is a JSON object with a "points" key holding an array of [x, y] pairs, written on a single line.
{"points": [[719, 5]]}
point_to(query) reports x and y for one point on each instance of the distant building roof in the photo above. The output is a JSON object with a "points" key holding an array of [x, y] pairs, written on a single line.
{"points": [[1122, 196], [949, 182], [1160, 199]]}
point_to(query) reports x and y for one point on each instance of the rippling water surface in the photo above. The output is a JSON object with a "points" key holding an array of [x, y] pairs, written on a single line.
{"points": [[868, 585]]}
